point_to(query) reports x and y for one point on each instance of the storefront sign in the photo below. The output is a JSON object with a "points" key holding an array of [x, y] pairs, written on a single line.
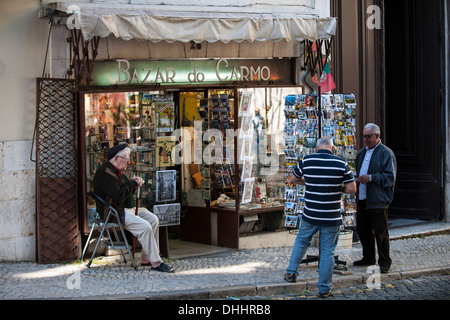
{"points": [[123, 72]]}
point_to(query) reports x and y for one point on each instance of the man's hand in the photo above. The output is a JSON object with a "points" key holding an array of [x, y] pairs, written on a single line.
{"points": [[139, 181], [294, 180], [363, 179]]}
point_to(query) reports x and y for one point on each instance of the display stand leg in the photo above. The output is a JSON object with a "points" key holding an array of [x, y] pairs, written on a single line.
{"points": [[312, 258], [164, 242]]}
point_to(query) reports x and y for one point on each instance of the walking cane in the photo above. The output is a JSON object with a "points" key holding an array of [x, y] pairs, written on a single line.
{"points": [[136, 213]]}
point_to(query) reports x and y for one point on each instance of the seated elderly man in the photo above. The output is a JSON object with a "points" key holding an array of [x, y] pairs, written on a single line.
{"points": [[111, 184]]}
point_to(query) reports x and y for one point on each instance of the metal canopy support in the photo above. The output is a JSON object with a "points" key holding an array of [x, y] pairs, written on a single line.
{"points": [[84, 55], [315, 59]]}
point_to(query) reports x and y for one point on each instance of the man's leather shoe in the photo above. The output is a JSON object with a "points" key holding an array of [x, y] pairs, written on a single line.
{"points": [[164, 268], [363, 262], [384, 269]]}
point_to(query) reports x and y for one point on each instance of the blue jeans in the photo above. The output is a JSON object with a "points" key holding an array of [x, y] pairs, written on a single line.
{"points": [[329, 236]]}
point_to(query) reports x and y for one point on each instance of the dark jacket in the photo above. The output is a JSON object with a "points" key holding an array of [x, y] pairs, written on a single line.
{"points": [[114, 188], [383, 169]]}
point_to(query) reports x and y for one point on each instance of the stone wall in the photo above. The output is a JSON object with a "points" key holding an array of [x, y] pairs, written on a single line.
{"points": [[17, 202]]}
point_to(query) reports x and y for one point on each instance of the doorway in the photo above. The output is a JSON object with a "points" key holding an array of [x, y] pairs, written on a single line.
{"points": [[414, 106]]}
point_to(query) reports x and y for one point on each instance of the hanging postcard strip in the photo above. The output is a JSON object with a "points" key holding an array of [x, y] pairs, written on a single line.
{"points": [[164, 147], [246, 148], [245, 103], [246, 128], [247, 190], [165, 116], [246, 170]]}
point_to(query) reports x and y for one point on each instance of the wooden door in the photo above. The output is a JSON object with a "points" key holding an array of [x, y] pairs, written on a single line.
{"points": [[415, 105]]}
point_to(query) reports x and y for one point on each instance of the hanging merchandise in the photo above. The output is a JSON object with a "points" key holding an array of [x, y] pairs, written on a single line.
{"points": [[221, 169], [309, 117], [165, 113]]}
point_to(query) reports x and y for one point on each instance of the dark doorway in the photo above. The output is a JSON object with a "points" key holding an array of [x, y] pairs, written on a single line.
{"points": [[414, 105]]}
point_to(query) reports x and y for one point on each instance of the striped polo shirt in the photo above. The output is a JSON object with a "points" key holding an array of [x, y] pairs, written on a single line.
{"points": [[324, 175]]}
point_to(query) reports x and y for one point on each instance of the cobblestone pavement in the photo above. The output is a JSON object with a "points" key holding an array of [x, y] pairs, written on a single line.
{"points": [[237, 273], [422, 288]]}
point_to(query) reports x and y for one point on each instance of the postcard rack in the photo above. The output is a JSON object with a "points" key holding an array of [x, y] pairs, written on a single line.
{"points": [[308, 117]]}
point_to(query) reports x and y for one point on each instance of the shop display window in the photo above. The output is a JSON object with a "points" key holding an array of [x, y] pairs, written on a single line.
{"points": [[146, 121], [210, 148], [237, 147], [260, 147]]}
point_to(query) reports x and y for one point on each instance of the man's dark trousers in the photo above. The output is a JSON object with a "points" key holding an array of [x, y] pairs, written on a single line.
{"points": [[371, 226]]}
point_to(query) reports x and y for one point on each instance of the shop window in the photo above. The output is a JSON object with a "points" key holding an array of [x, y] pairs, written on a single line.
{"points": [[235, 156], [146, 121]]}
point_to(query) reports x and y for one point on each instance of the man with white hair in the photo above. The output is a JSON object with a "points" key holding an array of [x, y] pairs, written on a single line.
{"points": [[111, 184], [376, 167]]}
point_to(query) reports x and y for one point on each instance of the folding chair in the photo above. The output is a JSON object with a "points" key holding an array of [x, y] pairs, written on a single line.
{"points": [[107, 240]]}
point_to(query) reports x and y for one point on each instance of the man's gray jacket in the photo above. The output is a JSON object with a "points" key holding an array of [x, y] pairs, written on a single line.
{"points": [[383, 170]]}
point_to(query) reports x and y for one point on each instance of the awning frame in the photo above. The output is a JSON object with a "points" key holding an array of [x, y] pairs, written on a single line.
{"points": [[85, 41], [170, 23]]}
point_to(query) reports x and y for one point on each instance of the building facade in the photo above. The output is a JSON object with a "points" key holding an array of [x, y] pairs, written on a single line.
{"points": [[365, 52]]}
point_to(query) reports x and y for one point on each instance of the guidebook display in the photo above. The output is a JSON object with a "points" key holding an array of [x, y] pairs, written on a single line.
{"points": [[337, 114]]}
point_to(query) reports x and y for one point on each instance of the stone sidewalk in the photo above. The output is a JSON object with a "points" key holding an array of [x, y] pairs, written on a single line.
{"points": [[418, 250]]}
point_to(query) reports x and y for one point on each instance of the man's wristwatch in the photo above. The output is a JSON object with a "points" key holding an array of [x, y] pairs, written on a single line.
{"points": [[370, 178]]}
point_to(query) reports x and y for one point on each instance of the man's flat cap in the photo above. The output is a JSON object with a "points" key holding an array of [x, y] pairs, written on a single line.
{"points": [[113, 151]]}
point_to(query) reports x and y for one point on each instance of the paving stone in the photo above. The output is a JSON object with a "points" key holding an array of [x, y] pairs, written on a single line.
{"points": [[256, 270]]}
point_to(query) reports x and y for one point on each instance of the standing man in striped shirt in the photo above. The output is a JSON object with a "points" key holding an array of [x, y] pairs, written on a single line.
{"points": [[325, 177]]}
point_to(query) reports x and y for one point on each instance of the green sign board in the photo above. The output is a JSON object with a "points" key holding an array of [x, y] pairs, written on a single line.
{"points": [[123, 72]]}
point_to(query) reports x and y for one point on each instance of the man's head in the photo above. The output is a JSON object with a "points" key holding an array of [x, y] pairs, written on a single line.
{"points": [[119, 156], [371, 135], [325, 143]]}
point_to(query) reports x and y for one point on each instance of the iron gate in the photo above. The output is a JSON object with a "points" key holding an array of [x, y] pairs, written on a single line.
{"points": [[56, 172]]}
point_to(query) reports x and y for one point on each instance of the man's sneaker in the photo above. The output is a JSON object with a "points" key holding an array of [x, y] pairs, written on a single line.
{"points": [[290, 277], [326, 295]]}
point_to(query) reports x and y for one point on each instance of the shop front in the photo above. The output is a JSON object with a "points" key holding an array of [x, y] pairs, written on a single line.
{"points": [[201, 106], [206, 136]]}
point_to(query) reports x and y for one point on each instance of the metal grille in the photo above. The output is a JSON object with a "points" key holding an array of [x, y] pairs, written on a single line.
{"points": [[56, 187]]}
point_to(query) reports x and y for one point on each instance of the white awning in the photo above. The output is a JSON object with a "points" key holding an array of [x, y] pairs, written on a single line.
{"points": [[159, 23]]}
